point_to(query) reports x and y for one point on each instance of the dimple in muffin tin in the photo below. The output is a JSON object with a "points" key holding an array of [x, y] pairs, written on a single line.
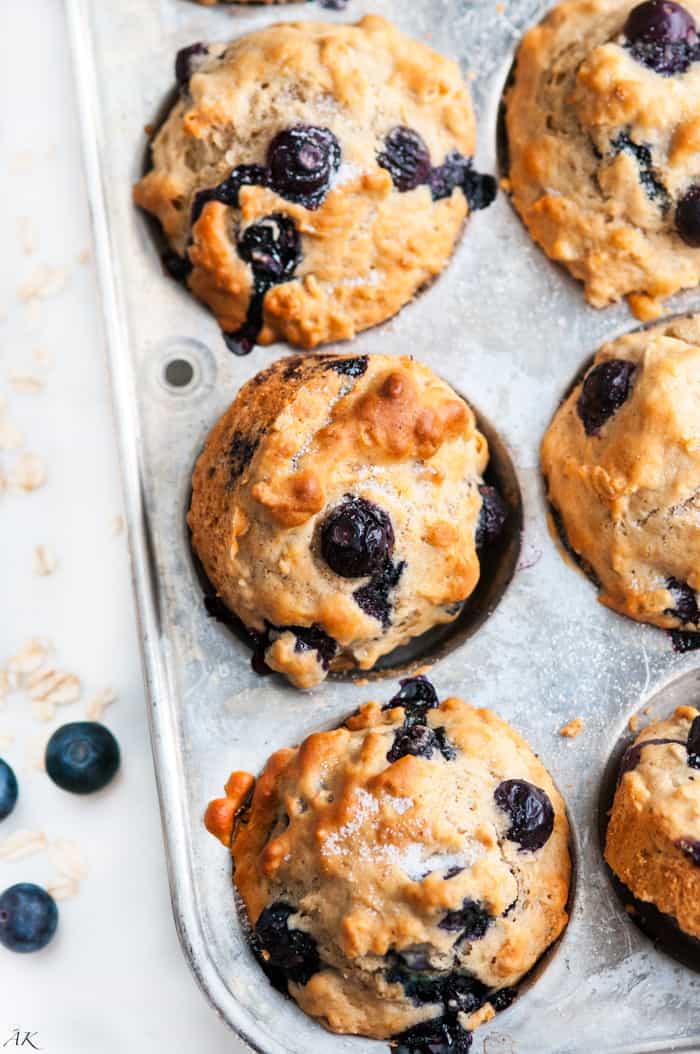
{"points": [[508, 329]]}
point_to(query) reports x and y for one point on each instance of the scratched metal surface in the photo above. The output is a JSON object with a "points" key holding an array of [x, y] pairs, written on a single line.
{"points": [[510, 330]]}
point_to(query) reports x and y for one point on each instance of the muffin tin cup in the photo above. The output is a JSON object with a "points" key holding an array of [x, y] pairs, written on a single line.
{"points": [[507, 328]]}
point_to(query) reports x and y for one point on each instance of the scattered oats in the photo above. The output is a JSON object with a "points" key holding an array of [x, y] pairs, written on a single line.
{"points": [[6, 740], [118, 525], [572, 728], [26, 234], [98, 704], [36, 751], [65, 856], [63, 888], [26, 383], [54, 687], [45, 562], [84, 255], [27, 473], [10, 435], [29, 658], [47, 281], [42, 357], [22, 843]]}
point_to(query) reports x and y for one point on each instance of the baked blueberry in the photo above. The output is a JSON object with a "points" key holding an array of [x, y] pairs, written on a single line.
{"points": [[648, 175], [691, 848], [82, 757], [290, 952], [683, 640], [633, 755], [313, 638], [373, 597], [662, 35], [272, 248], [685, 600], [492, 517], [450, 174], [416, 695], [302, 161], [186, 63], [356, 538], [228, 191], [530, 812], [439, 1036], [472, 919], [479, 189], [406, 158], [8, 789], [28, 917], [693, 744], [421, 741], [350, 367], [604, 390], [688, 217]]}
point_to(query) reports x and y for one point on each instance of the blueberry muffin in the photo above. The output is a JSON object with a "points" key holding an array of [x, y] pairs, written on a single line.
{"points": [[653, 838], [311, 178], [622, 463], [338, 509], [603, 126], [403, 872]]}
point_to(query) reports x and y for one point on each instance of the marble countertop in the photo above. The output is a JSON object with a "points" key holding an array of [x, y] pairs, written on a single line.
{"points": [[114, 978]]}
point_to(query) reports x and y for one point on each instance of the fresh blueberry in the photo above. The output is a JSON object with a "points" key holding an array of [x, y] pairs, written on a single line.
{"points": [[82, 757], [286, 954], [688, 217], [492, 516], [472, 919], [450, 174], [662, 35], [633, 755], [604, 390], [272, 248], [8, 790], [439, 1036], [691, 847], [530, 812], [228, 191], [302, 161], [28, 917], [693, 744], [416, 695], [685, 602], [186, 63], [406, 158], [373, 598], [356, 538]]}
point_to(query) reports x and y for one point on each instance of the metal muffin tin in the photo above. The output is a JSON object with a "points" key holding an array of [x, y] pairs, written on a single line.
{"points": [[508, 329]]}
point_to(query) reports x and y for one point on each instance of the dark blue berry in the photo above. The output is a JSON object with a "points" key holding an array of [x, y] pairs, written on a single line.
{"points": [[685, 602], [240, 453], [28, 917], [176, 266], [439, 1036], [684, 641], [420, 741], [472, 919], [350, 367], [648, 174], [313, 638], [272, 248], [604, 390], [530, 812], [450, 174], [373, 598], [406, 158], [356, 538], [302, 161], [8, 789], [186, 63], [662, 35], [415, 957], [691, 848], [479, 189], [492, 516], [633, 755], [416, 695], [688, 217], [693, 744], [503, 998], [286, 954], [82, 757]]}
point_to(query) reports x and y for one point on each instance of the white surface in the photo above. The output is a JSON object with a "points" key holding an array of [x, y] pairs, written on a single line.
{"points": [[114, 979]]}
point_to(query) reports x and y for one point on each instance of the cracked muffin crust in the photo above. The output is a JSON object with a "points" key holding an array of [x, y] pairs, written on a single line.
{"points": [[311, 178], [604, 143], [403, 872], [338, 509], [622, 464], [653, 838]]}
